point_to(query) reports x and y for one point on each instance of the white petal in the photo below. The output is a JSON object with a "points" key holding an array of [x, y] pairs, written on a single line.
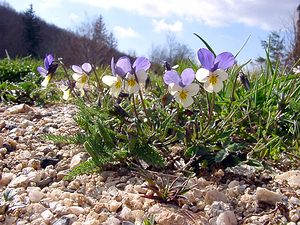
{"points": [[115, 91], [77, 76], [186, 102], [192, 89], [109, 80], [222, 75], [46, 81], [213, 88], [141, 76], [202, 75], [174, 88], [133, 89], [208, 87], [218, 86], [66, 94], [86, 67]]}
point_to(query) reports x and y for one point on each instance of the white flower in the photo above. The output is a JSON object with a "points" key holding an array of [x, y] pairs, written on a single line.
{"points": [[115, 84], [81, 74], [213, 81], [296, 70], [183, 95], [133, 85], [46, 80]]}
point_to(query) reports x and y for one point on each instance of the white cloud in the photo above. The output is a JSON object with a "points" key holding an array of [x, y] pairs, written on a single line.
{"points": [[161, 25], [266, 14], [125, 32], [73, 17]]}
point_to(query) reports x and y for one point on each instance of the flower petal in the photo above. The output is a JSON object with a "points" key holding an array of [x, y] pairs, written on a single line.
{"points": [[114, 91], [113, 66], [184, 102], [171, 76], [77, 69], [133, 89], [222, 75], [192, 89], [202, 75], [224, 61], [141, 76], [46, 81], [174, 88], [86, 67], [109, 80], [141, 63], [123, 66], [206, 58], [42, 71], [187, 76], [213, 88], [48, 61], [66, 94]]}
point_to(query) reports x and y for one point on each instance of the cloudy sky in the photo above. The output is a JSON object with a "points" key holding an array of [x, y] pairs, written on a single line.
{"points": [[140, 24]]}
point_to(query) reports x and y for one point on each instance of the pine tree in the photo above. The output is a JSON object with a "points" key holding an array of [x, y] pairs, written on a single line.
{"points": [[31, 32]]}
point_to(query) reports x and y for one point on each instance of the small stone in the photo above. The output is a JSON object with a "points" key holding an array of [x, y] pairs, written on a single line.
{"points": [[77, 159], [292, 177], [63, 221], [112, 221], [34, 163], [20, 181], [263, 195], [214, 195], [113, 205], [47, 215], [295, 218], [125, 213], [294, 201], [77, 210], [35, 194], [61, 174], [35, 208], [22, 108], [226, 218], [6, 178], [1, 141], [92, 216], [140, 189]]}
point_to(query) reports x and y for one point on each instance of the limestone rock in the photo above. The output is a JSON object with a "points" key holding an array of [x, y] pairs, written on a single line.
{"points": [[215, 195], [226, 218], [263, 195]]}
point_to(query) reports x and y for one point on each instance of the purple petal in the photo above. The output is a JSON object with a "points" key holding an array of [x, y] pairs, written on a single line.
{"points": [[86, 67], [206, 58], [171, 76], [42, 71], [77, 69], [113, 66], [187, 76], [141, 63], [224, 61], [123, 66]]}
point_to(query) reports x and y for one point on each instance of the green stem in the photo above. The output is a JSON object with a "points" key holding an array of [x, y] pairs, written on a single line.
{"points": [[97, 78]]}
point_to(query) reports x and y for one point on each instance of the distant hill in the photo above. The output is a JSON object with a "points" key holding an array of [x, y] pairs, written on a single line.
{"points": [[73, 48]]}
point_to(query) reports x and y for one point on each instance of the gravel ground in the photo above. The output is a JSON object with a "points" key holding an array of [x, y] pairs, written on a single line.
{"points": [[32, 171]]}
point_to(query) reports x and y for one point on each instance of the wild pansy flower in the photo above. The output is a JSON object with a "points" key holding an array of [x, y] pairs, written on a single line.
{"points": [[81, 75], [115, 82], [213, 72], [49, 69], [296, 70], [66, 89], [182, 88], [135, 75]]}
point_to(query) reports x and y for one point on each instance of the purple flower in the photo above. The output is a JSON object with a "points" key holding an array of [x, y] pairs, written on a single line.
{"points": [[48, 70], [182, 88], [134, 74], [213, 72], [187, 77]]}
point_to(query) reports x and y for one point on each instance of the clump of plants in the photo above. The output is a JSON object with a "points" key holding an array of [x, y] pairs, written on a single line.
{"points": [[186, 119], [20, 83]]}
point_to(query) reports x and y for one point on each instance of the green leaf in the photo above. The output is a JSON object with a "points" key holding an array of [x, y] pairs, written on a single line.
{"points": [[221, 155], [206, 44]]}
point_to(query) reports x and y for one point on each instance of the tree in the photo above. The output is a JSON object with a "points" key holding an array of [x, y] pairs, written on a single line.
{"points": [[172, 52], [31, 32]]}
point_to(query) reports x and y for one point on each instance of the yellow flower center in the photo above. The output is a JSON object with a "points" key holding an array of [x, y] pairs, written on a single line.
{"points": [[213, 79], [118, 84], [131, 82], [83, 79], [183, 94]]}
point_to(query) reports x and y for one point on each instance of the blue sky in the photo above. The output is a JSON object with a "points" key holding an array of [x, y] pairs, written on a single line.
{"points": [[140, 24]]}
